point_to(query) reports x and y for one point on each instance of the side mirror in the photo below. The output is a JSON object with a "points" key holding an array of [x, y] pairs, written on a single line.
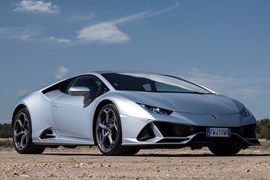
{"points": [[78, 91]]}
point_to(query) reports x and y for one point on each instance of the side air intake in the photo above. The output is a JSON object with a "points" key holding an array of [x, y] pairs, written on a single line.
{"points": [[47, 133]]}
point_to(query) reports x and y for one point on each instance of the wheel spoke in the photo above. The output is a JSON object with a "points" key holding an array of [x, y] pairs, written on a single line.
{"points": [[104, 138], [21, 144], [115, 127], [19, 134], [102, 126], [20, 123], [114, 124], [26, 132], [25, 117], [110, 139], [107, 116]]}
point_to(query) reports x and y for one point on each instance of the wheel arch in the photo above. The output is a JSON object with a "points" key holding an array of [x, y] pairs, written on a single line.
{"points": [[17, 109], [98, 108]]}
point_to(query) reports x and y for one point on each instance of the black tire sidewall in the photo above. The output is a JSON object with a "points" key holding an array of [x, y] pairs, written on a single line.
{"points": [[224, 151]]}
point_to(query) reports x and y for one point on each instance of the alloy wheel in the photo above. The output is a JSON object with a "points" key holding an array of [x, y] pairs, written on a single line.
{"points": [[107, 129], [21, 130]]}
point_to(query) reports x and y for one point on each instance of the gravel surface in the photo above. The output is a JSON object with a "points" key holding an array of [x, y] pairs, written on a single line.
{"points": [[85, 163]]}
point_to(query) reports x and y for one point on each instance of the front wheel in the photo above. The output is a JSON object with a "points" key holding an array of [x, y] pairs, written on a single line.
{"points": [[108, 132], [224, 151], [22, 132]]}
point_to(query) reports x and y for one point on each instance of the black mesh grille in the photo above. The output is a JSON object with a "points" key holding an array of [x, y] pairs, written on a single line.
{"points": [[248, 131], [175, 130]]}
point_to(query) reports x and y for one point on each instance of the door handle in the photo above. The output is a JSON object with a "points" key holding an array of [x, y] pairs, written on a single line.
{"points": [[55, 105]]}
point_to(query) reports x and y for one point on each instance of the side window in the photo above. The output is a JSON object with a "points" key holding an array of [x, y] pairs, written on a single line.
{"points": [[147, 87], [96, 86], [62, 86]]}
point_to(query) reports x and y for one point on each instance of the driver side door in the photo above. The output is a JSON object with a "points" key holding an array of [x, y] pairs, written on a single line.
{"points": [[71, 115]]}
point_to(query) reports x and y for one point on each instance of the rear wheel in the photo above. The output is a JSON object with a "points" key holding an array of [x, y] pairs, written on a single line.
{"points": [[22, 134], [224, 150], [108, 132]]}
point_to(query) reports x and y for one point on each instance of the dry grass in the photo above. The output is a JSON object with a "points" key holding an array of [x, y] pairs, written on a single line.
{"points": [[6, 142], [265, 145]]}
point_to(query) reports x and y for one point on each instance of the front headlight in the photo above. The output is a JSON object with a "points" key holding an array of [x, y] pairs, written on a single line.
{"points": [[245, 112], [242, 109], [156, 110]]}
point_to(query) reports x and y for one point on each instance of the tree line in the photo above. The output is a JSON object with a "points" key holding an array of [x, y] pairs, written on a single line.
{"points": [[5, 131], [262, 130]]}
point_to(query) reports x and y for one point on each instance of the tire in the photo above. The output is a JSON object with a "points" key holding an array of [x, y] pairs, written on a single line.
{"points": [[130, 151], [22, 134], [108, 132], [224, 150]]}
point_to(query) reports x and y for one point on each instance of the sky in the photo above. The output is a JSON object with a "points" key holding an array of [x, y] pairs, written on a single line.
{"points": [[221, 44]]}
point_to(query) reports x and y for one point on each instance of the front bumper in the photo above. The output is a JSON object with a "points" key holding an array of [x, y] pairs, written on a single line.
{"points": [[169, 134]]}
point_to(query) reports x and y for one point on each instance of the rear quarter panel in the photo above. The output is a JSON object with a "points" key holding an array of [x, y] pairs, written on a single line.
{"points": [[38, 106]]}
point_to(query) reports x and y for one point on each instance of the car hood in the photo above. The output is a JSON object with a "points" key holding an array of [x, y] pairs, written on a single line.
{"points": [[185, 102]]}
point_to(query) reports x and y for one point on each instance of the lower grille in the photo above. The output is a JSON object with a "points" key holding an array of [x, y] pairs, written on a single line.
{"points": [[202, 140], [175, 130]]}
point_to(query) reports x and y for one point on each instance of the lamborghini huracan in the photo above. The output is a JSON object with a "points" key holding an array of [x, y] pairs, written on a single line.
{"points": [[122, 113]]}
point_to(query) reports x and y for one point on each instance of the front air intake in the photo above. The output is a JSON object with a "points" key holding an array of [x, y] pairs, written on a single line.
{"points": [[146, 133]]}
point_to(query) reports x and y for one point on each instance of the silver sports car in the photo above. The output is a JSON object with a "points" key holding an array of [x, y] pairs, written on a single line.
{"points": [[122, 113]]}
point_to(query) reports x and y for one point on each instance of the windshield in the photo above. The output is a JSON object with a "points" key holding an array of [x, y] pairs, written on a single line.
{"points": [[152, 83]]}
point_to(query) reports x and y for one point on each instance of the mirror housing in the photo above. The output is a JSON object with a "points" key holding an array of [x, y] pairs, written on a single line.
{"points": [[78, 91]]}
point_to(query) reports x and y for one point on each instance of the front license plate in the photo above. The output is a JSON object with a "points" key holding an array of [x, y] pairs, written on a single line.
{"points": [[218, 132]]}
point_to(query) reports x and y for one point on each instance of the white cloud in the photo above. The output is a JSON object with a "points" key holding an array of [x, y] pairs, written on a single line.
{"points": [[57, 40], [17, 33], [61, 72], [109, 32], [21, 93], [32, 34], [133, 17], [144, 14], [36, 7], [82, 17], [211, 80], [232, 86], [104, 32], [248, 91], [24, 37]]}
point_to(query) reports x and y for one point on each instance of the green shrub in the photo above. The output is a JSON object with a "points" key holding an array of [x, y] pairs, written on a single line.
{"points": [[263, 129], [5, 131]]}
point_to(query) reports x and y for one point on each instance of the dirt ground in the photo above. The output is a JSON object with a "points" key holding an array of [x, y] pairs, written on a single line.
{"points": [[86, 163]]}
